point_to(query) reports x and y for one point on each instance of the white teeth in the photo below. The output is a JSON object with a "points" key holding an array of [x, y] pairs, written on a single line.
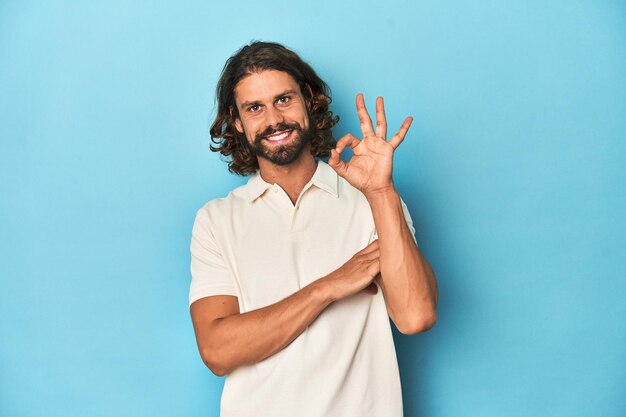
{"points": [[278, 136]]}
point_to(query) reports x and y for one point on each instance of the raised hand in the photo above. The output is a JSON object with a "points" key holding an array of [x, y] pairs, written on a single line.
{"points": [[371, 165]]}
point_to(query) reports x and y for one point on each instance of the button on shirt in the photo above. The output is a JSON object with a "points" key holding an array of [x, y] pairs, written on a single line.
{"points": [[257, 245]]}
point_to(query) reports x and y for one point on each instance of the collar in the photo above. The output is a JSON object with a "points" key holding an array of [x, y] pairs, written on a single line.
{"points": [[324, 178], [256, 186]]}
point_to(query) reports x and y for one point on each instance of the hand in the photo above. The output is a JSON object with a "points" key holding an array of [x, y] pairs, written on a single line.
{"points": [[355, 275], [370, 167]]}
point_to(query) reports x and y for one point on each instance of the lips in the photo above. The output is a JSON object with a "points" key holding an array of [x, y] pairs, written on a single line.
{"points": [[280, 136]]}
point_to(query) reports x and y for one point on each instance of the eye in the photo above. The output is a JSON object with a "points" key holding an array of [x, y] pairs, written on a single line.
{"points": [[283, 99], [254, 108]]}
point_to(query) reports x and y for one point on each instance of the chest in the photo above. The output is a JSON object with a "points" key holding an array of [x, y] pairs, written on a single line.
{"points": [[275, 248]]}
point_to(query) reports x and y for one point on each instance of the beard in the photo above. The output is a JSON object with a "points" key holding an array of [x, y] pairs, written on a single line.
{"points": [[282, 154]]}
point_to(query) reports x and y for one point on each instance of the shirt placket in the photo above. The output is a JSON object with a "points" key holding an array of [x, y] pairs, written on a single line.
{"points": [[293, 223]]}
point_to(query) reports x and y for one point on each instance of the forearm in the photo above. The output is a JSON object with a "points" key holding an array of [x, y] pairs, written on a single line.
{"points": [[407, 280], [248, 338], [228, 339]]}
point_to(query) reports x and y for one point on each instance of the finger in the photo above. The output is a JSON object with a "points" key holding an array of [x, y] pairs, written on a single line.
{"points": [[364, 117], [336, 163], [381, 120], [370, 255], [372, 246], [397, 139], [347, 140], [371, 289], [374, 267]]}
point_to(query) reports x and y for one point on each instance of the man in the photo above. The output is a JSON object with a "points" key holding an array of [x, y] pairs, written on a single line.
{"points": [[285, 270]]}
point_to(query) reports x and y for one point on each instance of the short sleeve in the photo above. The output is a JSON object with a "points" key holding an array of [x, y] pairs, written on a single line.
{"points": [[209, 273], [409, 222]]}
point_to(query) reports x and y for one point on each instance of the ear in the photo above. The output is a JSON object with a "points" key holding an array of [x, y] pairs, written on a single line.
{"points": [[238, 125], [237, 121]]}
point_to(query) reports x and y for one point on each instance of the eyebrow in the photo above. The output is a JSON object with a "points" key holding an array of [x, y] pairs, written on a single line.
{"points": [[254, 103]]}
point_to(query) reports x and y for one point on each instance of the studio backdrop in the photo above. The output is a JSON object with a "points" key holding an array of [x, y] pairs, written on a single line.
{"points": [[513, 172]]}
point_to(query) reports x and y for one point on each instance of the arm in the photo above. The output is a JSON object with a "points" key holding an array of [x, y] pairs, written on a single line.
{"points": [[227, 339], [407, 280]]}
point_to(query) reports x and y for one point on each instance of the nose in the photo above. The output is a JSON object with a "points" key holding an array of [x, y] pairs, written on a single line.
{"points": [[273, 116]]}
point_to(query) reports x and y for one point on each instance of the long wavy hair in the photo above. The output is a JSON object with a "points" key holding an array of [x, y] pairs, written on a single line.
{"points": [[254, 58]]}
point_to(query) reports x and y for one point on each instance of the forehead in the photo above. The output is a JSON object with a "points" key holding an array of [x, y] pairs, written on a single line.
{"points": [[264, 86]]}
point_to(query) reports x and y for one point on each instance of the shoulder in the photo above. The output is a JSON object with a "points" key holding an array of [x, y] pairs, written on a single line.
{"points": [[214, 221], [238, 197]]}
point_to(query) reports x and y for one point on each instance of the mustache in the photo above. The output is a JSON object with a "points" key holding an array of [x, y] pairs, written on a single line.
{"points": [[279, 127]]}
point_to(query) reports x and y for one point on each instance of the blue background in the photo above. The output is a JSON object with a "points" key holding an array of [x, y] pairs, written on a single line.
{"points": [[513, 172]]}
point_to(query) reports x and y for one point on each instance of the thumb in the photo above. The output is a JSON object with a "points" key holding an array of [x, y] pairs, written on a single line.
{"points": [[336, 163]]}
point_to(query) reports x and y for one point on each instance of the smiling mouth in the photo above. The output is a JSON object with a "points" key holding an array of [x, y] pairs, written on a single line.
{"points": [[279, 136]]}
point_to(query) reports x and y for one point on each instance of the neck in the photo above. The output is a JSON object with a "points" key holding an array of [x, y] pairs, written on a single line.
{"points": [[293, 177]]}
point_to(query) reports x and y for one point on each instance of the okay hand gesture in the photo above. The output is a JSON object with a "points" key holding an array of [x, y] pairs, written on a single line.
{"points": [[370, 167]]}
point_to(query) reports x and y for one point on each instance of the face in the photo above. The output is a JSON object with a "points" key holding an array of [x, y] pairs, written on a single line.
{"points": [[273, 115]]}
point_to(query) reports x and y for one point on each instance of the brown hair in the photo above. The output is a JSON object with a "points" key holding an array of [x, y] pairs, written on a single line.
{"points": [[257, 57]]}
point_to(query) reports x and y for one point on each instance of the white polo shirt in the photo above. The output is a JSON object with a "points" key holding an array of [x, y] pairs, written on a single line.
{"points": [[257, 245]]}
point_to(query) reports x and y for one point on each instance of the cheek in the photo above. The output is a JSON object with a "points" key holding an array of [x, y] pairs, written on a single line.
{"points": [[307, 120], [301, 116], [250, 129]]}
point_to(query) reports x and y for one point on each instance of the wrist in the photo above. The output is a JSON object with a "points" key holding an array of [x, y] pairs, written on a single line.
{"points": [[381, 194], [323, 291]]}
